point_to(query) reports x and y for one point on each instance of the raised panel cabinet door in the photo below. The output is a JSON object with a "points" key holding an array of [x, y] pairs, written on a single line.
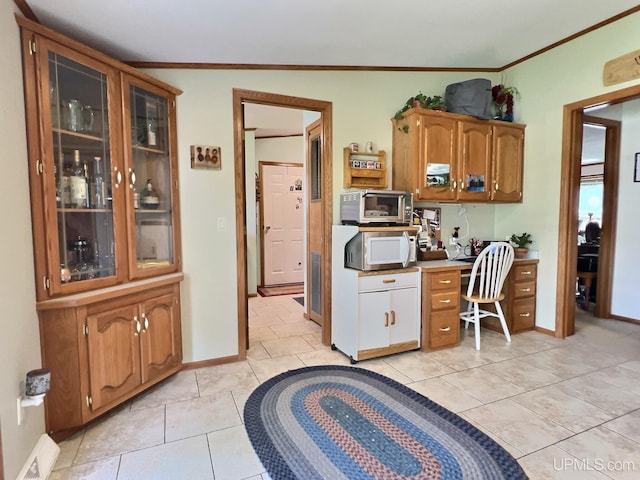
{"points": [[437, 157], [114, 354], [405, 321], [508, 163], [474, 168], [374, 320], [160, 338]]}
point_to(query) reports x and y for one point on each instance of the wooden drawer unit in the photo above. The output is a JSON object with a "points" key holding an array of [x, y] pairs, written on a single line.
{"points": [[441, 308], [519, 304]]}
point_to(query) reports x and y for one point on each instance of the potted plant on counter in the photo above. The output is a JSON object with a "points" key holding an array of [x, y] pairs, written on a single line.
{"points": [[521, 241]]}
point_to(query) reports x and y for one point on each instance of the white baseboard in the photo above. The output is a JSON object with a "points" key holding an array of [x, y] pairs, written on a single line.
{"points": [[41, 461]]}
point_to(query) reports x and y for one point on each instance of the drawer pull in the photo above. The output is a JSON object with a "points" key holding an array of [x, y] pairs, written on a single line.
{"points": [[448, 300], [525, 314], [525, 289], [527, 272], [386, 319], [445, 282], [444, 329], [390, 280]]}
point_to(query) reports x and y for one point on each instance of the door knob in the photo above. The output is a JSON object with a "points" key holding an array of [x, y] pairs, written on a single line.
{"points": [[267, 228]]}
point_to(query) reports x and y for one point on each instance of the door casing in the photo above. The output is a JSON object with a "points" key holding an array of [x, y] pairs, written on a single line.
{"points": [[241, 96], [573, 118]]}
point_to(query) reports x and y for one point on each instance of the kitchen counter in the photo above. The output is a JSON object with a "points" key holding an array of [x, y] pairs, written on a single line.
{"points": [[444, 265], [441, 284]]}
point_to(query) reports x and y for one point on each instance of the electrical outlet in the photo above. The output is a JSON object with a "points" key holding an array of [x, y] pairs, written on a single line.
{"points": [[20, 411]]}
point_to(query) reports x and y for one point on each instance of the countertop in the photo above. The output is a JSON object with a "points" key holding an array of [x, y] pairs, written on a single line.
{"points": [[443, 265]]}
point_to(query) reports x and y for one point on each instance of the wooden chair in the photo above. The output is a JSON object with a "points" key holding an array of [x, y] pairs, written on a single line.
{"points": [[485, 286]]}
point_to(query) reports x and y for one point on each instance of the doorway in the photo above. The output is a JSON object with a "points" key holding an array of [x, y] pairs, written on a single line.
{"points": [[568, 216], [240, 97]]}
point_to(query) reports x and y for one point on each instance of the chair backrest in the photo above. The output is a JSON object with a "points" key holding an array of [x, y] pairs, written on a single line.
{"points": [[490, 270]]}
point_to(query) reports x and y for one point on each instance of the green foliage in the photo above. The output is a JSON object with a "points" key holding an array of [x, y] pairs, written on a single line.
{"points": [[425, 102], [521, 240]]}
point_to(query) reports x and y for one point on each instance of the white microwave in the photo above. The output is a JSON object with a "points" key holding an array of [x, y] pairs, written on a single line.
{"points": [[381, 249]]}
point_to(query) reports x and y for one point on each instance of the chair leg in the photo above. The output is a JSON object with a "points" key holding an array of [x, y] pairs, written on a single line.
{"points": [[466, 324], [503, 322], [476, 315]]}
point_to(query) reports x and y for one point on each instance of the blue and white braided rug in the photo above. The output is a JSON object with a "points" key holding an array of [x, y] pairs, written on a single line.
{"points": [[336, 422]]}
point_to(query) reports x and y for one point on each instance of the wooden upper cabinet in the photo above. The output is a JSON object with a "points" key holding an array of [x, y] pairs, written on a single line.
{"points": [[474, 161], [446, 157], [508, 148], [99, 132]]}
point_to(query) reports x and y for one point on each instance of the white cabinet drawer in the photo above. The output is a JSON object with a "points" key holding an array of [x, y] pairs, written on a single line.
{"points": [[387, 281]]}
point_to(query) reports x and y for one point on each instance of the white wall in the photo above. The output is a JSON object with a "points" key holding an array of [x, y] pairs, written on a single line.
{"points": [[627, 260], [566, 74], [19, 341]]}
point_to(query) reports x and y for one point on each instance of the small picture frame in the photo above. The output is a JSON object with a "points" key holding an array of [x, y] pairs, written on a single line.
{"points": [[206, 156], [636, 168]]}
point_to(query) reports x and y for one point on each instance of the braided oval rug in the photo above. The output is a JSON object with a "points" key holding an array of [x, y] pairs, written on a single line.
{"points": [[336, 422]]}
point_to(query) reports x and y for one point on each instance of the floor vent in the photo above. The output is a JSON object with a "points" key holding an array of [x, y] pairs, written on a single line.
{"points": [[41, 461]]}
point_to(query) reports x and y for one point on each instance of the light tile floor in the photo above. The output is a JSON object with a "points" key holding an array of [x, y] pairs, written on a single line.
{"points": [[567, 409]]}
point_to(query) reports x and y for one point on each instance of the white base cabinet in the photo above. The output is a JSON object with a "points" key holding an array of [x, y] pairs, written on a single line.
{"points": [[373, 313]]}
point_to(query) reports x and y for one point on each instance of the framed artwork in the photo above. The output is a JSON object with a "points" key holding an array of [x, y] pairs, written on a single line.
{"points": [[206, 156], [636, 168]]}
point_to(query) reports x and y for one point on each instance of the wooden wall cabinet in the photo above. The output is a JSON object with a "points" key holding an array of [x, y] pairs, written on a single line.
{"points": [[103, 179], [447, 157], [441, 309], [365, 170]]}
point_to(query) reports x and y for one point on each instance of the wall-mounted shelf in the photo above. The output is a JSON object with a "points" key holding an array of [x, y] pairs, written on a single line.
{"points": [[365, 170]]}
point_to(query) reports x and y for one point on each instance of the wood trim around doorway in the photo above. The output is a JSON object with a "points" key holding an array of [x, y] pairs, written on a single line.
{"points": [[240, 97], [568, 213]]}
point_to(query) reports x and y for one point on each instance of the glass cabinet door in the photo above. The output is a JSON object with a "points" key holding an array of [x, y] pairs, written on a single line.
{"points": [[74, 110], [151, 183]]}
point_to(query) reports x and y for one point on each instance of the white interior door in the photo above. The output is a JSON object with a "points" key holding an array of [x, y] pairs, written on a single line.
{"points": [[283, 224]]}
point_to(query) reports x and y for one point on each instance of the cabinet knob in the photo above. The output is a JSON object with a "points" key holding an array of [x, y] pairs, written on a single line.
{"points": [[446, 282], [138, 326], [132, 178], [525, 289], [146, 322], [525, 314], [448, 300], [527, 272], [390, 280], [444, 329], [118, 177], [393, 317], [386, 319]]}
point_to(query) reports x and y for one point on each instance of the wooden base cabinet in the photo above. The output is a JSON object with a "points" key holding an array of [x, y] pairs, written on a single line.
{"points": [[103, 353], [519, 304], [441, 309]]}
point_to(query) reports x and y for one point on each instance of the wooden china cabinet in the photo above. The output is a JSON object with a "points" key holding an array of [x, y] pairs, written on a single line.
{"points": [[103, 179]]}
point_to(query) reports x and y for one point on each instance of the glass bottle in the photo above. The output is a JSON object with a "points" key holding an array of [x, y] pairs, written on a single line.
{"points": [[78, 183], [65, 182], [149, 198], [151, 133], [99, 187], [58, 185]]}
